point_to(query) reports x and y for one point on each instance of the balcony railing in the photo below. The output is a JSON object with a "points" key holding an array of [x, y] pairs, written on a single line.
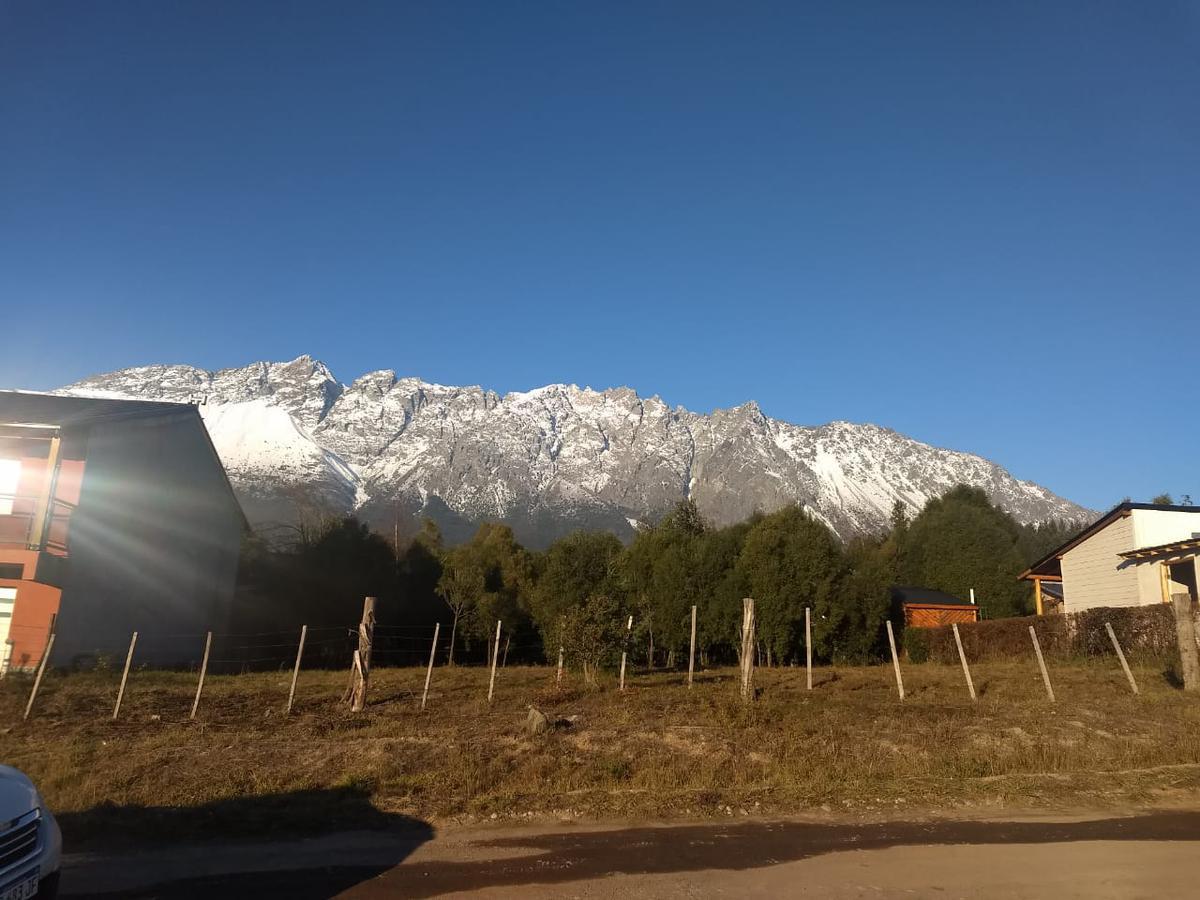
{"points": [[18, 520]]}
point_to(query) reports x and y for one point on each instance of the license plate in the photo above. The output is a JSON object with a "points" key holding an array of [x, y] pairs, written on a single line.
{"points": [[22, 890]]}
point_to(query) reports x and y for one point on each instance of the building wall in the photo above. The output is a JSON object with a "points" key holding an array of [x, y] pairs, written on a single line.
{"points": [[917, 616], [36, 606], [1152, 527], [1094, 574], [153, 545]]}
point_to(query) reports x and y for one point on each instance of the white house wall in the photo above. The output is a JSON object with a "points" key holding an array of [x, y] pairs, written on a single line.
{"points": [[1095, 575], [1152, 527]]}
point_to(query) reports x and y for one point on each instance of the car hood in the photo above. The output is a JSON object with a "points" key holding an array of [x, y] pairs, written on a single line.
{"points": [[17, 794]]}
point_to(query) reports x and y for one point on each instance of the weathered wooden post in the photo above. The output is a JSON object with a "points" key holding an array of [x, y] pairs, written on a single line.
{"points": [[124, 676], [507, 642], [748, 648], [962, 657], [360, 674], [437, 627], [1185, 634], [41, 670], [203, 672], [624, 651], [1037, 649], [558, 675], [895, 659], [296, 668], [1112, 636], [808, 643], [692, 650], [495, 659]]}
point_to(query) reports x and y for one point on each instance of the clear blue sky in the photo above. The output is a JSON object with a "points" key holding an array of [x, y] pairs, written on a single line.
{"points": [[978, 224]]}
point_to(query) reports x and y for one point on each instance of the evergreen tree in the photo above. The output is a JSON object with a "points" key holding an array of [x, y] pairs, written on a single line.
{"points": [[961, 541], [789, 560], [574, 568]]}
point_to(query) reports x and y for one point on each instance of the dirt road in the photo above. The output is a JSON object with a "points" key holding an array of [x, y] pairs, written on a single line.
{"points": [[1152, 855]]}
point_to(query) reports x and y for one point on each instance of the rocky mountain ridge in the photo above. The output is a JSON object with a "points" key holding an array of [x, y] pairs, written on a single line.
{"points": [[548, 460]]}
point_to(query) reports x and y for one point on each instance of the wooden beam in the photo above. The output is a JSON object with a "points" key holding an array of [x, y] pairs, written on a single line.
{"points": [[40, 525], [1037, 596]]}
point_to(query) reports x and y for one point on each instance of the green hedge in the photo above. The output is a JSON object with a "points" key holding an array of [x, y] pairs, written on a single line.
{"points": [[1144, 631]]}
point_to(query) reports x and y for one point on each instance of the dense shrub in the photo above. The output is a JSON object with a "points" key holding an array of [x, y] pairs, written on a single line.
{"points": [[1144, 631]]}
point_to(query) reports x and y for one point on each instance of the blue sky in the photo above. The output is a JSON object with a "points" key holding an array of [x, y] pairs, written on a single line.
{"points": [[977, 224]]}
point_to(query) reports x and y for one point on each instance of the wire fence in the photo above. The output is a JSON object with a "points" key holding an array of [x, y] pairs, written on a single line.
{"points": [[358, 648]]}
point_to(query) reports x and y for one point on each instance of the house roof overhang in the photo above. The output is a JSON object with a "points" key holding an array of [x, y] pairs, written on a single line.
{"points": [[1050, 565], [1162, 549]]}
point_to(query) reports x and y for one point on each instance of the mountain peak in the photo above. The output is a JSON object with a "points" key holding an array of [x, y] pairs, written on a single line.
{"points": [[551, 459]]}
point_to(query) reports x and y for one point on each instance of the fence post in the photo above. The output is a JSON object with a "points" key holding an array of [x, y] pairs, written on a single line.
{"points": [[1112, 636], [495, 659], [625, 651], [808, 643], [1185, 634], [963, 659], [692, 650], [437, 627], [507, 641], [37, 681], [895, 659], [124, 676], [1037, 649], [748, 648], [360, 674], [203, 672], [296, 668], [558, 676]]}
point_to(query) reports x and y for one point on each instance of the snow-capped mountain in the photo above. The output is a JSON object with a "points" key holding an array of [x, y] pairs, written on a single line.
{"points": [[548, 460]]}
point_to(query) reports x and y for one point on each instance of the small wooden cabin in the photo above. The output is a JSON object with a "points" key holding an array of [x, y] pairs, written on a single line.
{"points": [[927, 608]]}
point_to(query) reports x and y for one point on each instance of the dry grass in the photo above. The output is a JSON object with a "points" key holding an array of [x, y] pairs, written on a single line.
{"points": [[658, 750]]}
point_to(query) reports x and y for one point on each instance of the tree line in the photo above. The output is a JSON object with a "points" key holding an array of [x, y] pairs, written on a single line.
{"points": [[579, 592]]}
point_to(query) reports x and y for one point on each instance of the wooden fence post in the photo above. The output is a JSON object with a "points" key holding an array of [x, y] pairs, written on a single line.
{"points": [[895, 659], [437, 627], [1112, 636], [203, 672], [748, 648], [558, 675], [808, 643], [41, 670], [360, 673], [1037, 649], [296, 668], [507, 641], [692, 650], [962, 656], [1185, 634], [624, 652], [495, 659], [124, 676]]}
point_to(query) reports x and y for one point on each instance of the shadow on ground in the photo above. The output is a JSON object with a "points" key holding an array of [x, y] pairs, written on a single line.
{"points": [[157, 834], [580, 855]]}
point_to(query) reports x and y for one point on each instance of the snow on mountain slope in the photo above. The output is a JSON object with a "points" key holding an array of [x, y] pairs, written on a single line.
{"points": [[551, 459]]}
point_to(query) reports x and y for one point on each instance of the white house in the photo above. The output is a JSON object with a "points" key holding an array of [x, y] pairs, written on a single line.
{"points": [[1135, 555]]}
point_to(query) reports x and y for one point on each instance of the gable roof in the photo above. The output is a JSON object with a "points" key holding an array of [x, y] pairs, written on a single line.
{"points": [[1050, 565], [908, 595], [32, 408]]}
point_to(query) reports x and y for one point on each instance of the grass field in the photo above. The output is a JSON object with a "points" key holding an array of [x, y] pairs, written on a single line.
{"points": [[656, 751]]}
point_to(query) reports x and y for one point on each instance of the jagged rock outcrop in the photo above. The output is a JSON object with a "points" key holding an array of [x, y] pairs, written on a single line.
{"points": [[547, 460]]}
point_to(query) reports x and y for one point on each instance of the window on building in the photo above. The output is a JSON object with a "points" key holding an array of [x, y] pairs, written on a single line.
{"points": [[10, 477]]}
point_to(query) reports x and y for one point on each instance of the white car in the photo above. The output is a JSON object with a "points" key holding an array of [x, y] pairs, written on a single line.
{"points": [[30, 843]]}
